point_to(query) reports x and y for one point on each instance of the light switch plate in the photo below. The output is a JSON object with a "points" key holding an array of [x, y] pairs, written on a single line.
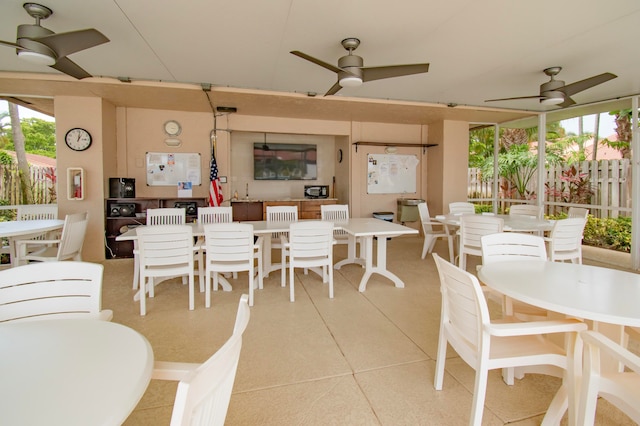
{"points": [[223, 179]]}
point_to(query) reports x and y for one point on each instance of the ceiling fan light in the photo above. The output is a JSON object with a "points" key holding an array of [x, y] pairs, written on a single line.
{"points": [[350, 81], [36, 58], [554, 97]]}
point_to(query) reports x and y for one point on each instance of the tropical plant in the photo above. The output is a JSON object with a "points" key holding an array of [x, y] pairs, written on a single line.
{"points": [[575, 187]]}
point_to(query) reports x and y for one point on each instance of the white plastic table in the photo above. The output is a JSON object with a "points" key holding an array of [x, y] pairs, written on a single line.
{"points": [[607, 296], [366, 229], [71, 372], [25, 229]]}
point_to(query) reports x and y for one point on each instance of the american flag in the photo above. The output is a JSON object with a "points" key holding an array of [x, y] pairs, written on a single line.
{"points": [[215, 190]]}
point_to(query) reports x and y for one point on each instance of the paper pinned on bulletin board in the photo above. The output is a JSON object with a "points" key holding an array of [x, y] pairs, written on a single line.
{"points": [[185, 189]]}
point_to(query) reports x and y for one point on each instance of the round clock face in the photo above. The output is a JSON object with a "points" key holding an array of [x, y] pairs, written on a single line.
{"points": [[78, 139], [172, 128]]}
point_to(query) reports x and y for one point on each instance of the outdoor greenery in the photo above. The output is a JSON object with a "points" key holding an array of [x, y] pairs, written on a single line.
{"points": [[39, 135], [609, 233]]}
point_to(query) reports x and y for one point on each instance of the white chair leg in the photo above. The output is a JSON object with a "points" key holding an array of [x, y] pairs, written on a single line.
{"points": [[292, 297], [251, 274], [143, 298], [192, 285], [283, 269]]}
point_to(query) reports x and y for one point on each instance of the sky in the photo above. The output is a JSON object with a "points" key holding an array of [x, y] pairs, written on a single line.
{"points": [[607, 123]]}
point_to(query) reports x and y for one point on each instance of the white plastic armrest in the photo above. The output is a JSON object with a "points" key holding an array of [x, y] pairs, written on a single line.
{"points": [[611, 348], [34, 242], [166, 370], [536, 327]]}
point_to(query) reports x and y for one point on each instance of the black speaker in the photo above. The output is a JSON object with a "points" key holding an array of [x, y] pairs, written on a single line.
{"points": [[191, 207], [122, 188], [123, 210]]}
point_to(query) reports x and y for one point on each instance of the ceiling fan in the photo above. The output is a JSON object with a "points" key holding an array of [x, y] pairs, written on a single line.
{"points": [[555, 92], [351, 71], [42, 46]]}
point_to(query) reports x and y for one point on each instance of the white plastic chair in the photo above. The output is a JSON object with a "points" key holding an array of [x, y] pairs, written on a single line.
{"points": [[565, 240], [310, 246], [529, 210], [161, 216], [67, 247], [165, 251], [461, 207], [484, 346], [204, 390], [52, 290], [514, 247], [37, 211], [230, 247], [621, 389], [472, 228], [431, 235], [577, 212], [217, 214], [279, 239]]}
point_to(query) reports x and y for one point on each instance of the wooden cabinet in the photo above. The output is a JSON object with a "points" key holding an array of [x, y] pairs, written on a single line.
{"points": [[124, 213], [246, 210]]}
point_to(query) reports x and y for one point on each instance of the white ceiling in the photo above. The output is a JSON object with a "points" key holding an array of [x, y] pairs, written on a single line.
{"points": [[478, 49]]}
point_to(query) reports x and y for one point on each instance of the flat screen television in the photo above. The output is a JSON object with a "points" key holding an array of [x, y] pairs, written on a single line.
{"points": [[284, 161]]}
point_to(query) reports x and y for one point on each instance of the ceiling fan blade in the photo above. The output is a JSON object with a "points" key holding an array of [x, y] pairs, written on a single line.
{"points": [[74, 41], [518, 97], [579, 86], [69, 67], [10, 44], [567, 102], [377, 73], [334, 89], [316, 61]]}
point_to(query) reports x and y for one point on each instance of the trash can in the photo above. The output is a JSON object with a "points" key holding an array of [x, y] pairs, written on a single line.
{"points": [[408, 209], [388, 216]]}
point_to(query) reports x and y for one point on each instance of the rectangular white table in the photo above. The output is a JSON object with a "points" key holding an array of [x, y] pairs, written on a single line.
{"points": [[364, 228], [71, 372], [609, 297], [25, 229]]}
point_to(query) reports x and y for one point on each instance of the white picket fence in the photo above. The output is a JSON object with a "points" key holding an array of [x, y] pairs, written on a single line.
{"points": [[610, 181], [42, 187]]}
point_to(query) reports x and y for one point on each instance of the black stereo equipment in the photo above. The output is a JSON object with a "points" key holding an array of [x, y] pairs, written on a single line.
{"points": [[122, 188], [122, 210], [191, 207]]}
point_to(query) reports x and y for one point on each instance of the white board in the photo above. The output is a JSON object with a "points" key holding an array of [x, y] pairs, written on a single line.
{"points": [[168, 168], [391, 174]]}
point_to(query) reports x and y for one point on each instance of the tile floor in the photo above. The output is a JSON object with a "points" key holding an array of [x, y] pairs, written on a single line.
{"points": [[359, 359]]}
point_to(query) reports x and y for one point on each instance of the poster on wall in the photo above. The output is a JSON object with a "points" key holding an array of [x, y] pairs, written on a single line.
{"points": [[168, 168], [391, 173]]}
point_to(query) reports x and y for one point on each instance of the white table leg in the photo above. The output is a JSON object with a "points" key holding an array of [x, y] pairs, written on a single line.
{"points": [[351, 254], [381, 263]]}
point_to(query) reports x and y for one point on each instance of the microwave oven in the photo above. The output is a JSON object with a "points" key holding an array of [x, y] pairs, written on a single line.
{"points": [[316, 191]]}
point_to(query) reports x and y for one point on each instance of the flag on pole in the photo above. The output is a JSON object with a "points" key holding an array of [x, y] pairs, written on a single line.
{"points": [[215, 190]]}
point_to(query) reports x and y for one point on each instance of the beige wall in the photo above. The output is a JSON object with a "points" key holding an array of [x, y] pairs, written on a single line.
{"points": [[447, 165], [122, 136]]}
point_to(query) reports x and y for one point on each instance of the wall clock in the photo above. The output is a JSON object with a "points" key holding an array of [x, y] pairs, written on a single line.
{"points": [[172, 128], [78, 139]]}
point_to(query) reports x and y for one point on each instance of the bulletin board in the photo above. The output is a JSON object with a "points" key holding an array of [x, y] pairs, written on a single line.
{"points": [[168, 168], [391, 173]]}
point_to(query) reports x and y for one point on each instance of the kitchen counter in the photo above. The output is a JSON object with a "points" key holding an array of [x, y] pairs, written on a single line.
{"points": [[255, 209]]}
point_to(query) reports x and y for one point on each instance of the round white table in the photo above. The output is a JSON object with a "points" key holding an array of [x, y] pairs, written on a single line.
{"points": [[609, 297], [25, 229], [583, 291], [71, 372]]}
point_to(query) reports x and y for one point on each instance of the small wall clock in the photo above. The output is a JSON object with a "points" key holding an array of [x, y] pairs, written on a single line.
{"points": [[78, 139], [172, 128]]}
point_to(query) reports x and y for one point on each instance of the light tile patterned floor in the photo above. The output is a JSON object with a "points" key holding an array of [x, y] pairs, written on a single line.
{"points": [[359, 359]]}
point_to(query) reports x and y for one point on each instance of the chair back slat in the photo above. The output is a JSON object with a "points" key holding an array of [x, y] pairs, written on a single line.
{"points": [[217, 214], [166, 216], [52, 290], [512, 246]]}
